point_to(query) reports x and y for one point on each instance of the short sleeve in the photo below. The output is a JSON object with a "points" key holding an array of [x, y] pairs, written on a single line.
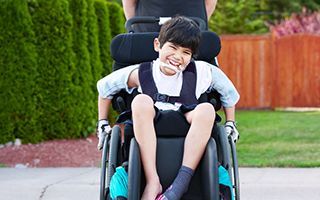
{"points": [[114, 82]]}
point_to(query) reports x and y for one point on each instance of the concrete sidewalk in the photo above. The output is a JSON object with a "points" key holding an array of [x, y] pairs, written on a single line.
{"points": [[49, 184], [83, 183], [279, 183]]}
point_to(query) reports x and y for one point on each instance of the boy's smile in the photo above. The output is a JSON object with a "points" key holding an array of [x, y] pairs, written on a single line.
{"points": [[173, 58]]}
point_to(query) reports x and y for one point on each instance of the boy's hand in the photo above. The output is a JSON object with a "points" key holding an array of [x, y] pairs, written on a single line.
{"points": [[103, 128], [231, 129]]}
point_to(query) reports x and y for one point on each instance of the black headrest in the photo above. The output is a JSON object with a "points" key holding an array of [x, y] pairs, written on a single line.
{"points": [[133, 48]]}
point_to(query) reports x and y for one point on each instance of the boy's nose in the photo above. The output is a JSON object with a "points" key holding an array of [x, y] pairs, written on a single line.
{"points": [[177, 56]]}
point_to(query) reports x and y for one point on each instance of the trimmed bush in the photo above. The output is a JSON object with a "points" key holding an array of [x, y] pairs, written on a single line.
{"points": [[82, 77], [93, 45], [58, 98], [94, 52], [116, 18], [18, 71], [104, 35]]}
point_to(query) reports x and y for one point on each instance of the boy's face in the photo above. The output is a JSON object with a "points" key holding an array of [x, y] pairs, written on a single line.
{"points": [[173, 58]]}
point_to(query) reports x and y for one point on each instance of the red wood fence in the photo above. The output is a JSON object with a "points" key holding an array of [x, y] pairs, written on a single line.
{"points": [[273, 72]]}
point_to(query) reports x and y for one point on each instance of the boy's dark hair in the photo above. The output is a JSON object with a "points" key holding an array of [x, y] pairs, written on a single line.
{"points": [[181, 31]]}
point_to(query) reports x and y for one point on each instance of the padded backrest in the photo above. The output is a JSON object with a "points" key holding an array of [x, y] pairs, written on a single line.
{"points": [[134, 48]]}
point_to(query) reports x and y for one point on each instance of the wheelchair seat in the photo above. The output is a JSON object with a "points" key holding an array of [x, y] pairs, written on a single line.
{"points": [[170, 145]]}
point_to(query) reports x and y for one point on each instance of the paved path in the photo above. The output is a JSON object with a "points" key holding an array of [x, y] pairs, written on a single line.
{"points": [[279, 184], [49, 184], [83, 184]]}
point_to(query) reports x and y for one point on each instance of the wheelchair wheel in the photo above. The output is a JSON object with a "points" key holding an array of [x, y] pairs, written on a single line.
{"points": [[109, 158], [235, 169], [223, 147], [113, 153], [228, 158], [103, 192]]}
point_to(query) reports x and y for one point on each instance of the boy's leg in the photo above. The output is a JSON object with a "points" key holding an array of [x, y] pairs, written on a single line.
{"points": [[143, 114], [201, 120]]}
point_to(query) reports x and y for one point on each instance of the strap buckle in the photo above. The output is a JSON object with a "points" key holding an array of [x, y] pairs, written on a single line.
{"points": [[161, 97]]}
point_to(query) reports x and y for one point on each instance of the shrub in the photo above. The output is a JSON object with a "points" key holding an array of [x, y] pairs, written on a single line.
{"points": [[305, 22], [82, 78], [94, 52], [18, 71], [93, 45], [57, 96], [116, 18], [104, 35], [237, 17]]}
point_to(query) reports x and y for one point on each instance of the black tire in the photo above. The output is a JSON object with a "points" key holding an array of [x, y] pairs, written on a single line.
{"points": [[134, 171], [235, 169], [228, 158], [223, 147], [104, 161], [113, 152], [109, 158]]}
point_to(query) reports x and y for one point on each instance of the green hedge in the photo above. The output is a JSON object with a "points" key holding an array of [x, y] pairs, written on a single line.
{"points": [[94, 52], [83, 77], [18, 72], [58, 97], [93, 45], [117, 19], [104, 35], [52, 54]]}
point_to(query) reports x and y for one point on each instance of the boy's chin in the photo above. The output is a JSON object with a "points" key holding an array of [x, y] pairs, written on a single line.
{"points": [[169, 72]]}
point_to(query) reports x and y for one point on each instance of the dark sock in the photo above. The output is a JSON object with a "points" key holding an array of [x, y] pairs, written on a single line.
{"points": [[180, 184]]}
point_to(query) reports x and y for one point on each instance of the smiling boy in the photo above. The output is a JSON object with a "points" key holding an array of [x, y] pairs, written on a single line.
{"points": [[172, 82]]}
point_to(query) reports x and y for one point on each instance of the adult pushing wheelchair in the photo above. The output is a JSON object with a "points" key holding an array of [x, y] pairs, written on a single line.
{"points": [[121, 149]]}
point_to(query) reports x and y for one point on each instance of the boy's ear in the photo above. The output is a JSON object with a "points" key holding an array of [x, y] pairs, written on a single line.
{"points": [[156, 45]]}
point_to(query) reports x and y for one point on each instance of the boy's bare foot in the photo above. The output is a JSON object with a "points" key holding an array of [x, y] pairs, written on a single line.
{"points": [[151, 191]]}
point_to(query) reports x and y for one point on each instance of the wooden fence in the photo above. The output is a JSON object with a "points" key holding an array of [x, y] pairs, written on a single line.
{"points": [[273, 72]]}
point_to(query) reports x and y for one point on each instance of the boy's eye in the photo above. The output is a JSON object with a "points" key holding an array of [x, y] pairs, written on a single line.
{"points": [[187, 52], [173, 47]]}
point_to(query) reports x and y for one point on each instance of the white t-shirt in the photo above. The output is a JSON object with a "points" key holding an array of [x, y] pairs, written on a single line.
{"points": [[208, 77], [171, 85]]}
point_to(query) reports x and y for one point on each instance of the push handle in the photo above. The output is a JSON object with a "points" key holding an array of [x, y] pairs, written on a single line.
{"points": [[159, 20]]}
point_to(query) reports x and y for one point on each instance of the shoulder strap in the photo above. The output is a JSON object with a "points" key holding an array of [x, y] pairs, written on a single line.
{"points": [[188, 91], [146, 80]]}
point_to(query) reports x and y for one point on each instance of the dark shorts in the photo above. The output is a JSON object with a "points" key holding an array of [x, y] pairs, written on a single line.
{"points": [[126, 117]]}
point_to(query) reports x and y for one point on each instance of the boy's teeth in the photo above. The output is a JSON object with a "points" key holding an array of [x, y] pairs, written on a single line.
{"points": [[173, 63], [171, 67]]}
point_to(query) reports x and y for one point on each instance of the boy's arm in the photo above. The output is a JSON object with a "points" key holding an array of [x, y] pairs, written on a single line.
{"points": [[230, 125], [229, 113], [103, 126], [107, 87], [103, 107], [133, 80], [229, 97]]}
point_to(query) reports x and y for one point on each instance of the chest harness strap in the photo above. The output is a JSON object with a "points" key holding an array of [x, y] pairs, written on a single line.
{"points": [[188, 90]]}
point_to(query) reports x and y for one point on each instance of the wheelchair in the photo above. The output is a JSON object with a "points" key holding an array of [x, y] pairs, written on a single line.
{"points": [[134, 48]]}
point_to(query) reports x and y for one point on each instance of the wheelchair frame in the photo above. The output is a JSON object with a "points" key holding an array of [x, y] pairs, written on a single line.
{"points": [[227, 154], [226, 148]]}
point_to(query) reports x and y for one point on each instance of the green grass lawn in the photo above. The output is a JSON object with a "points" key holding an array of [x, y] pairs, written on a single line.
{"points": [[278, 139]]}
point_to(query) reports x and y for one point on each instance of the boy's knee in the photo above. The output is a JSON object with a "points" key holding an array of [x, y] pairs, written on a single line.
{"points": [[205, 111], [141, 102]]}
